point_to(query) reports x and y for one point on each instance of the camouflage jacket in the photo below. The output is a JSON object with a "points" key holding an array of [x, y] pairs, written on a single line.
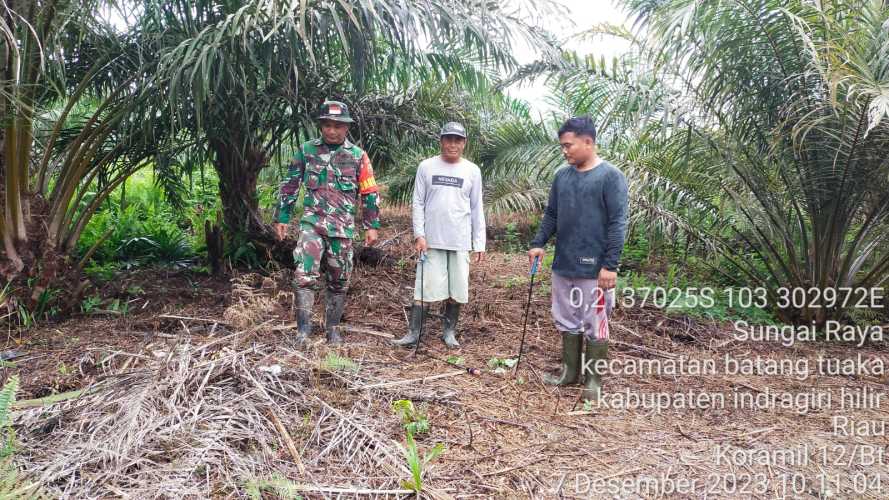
{"points": [[334, 181]]}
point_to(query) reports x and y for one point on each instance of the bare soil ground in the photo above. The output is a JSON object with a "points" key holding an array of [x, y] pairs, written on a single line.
{"points": [[196, 392]]}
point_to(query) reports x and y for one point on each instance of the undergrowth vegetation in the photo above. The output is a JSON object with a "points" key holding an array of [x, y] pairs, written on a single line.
{"points": [[139, 226]]}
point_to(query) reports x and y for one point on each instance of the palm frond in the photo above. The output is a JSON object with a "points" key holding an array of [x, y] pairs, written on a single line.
{"points": [[796, 115]]}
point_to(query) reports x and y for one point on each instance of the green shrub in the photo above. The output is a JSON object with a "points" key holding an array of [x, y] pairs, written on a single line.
{"points": [[159, 240], [143, 231]]}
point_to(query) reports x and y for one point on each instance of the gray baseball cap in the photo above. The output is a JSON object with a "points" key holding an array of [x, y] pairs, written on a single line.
{"points": [[453, 128]]}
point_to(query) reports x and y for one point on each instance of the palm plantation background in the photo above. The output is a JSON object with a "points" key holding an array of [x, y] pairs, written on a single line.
{"points": [[146, 299], [753, 133]]}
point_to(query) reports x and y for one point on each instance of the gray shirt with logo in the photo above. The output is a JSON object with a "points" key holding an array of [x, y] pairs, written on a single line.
{"points": [[587, 212], [447, 205]]}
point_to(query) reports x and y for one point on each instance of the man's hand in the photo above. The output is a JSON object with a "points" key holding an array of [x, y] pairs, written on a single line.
{"points": [[280, 230], [607, 279], [479, 257], [370, 237], [535, 252], [420, 245]]}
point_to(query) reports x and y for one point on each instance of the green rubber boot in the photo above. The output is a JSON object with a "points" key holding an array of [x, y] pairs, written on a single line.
{"points": [[451, 315], [572, 343], [592, 384], [413, 331], [333, 313], [305, 299]]}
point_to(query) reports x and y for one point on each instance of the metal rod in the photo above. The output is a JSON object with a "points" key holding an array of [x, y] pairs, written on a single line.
{"points": [[527, 310], [469, 369], [422, 302]]}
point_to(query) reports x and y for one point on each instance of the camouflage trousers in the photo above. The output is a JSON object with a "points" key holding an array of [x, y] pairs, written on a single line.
{"points": [[312, 250]]}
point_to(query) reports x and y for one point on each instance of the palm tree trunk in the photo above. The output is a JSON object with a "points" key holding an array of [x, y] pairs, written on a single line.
{"points": [[238, 175], [10, 263]]}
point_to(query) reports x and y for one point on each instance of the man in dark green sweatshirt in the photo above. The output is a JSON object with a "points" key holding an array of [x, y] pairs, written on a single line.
{"points": [[587, 212]]}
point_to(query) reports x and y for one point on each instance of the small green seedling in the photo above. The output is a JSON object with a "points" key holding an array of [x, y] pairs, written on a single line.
{"points": [[413, 421], [416, 464], [455, 360], [501, 365]]}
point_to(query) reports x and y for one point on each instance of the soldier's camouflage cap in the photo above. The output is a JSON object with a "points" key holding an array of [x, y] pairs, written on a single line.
{"points": [[453, 128], [336, 111]]}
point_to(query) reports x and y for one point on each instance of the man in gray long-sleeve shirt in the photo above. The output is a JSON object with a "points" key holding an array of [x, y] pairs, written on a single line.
{"points": [[449, 222], [587, 211]]}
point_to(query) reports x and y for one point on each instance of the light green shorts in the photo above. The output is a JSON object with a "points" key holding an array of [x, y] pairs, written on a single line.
{"points": [[445, 274]]}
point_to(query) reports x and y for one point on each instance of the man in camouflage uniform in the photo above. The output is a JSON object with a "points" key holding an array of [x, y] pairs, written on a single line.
{"points": [[335, 173]]}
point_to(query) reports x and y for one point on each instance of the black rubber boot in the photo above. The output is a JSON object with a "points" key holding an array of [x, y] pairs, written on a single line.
{"points": [[413, 329], [451, 315], [305, 299], [592, 384], [333, 313], [572, 343]]}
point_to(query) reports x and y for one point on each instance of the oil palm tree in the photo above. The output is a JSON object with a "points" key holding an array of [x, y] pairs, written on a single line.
{"points": [[85, 106], [243, 78], [791, 98], [751, 126], [638, 118], [73, 103]]}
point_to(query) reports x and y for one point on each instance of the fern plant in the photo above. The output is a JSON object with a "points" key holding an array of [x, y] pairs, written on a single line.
{"points": [[7, 398], [12, 487], [334, 362], [277, 485]]}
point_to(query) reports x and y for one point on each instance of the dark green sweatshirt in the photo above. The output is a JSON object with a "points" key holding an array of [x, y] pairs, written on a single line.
{"points": [[587, 211]]}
